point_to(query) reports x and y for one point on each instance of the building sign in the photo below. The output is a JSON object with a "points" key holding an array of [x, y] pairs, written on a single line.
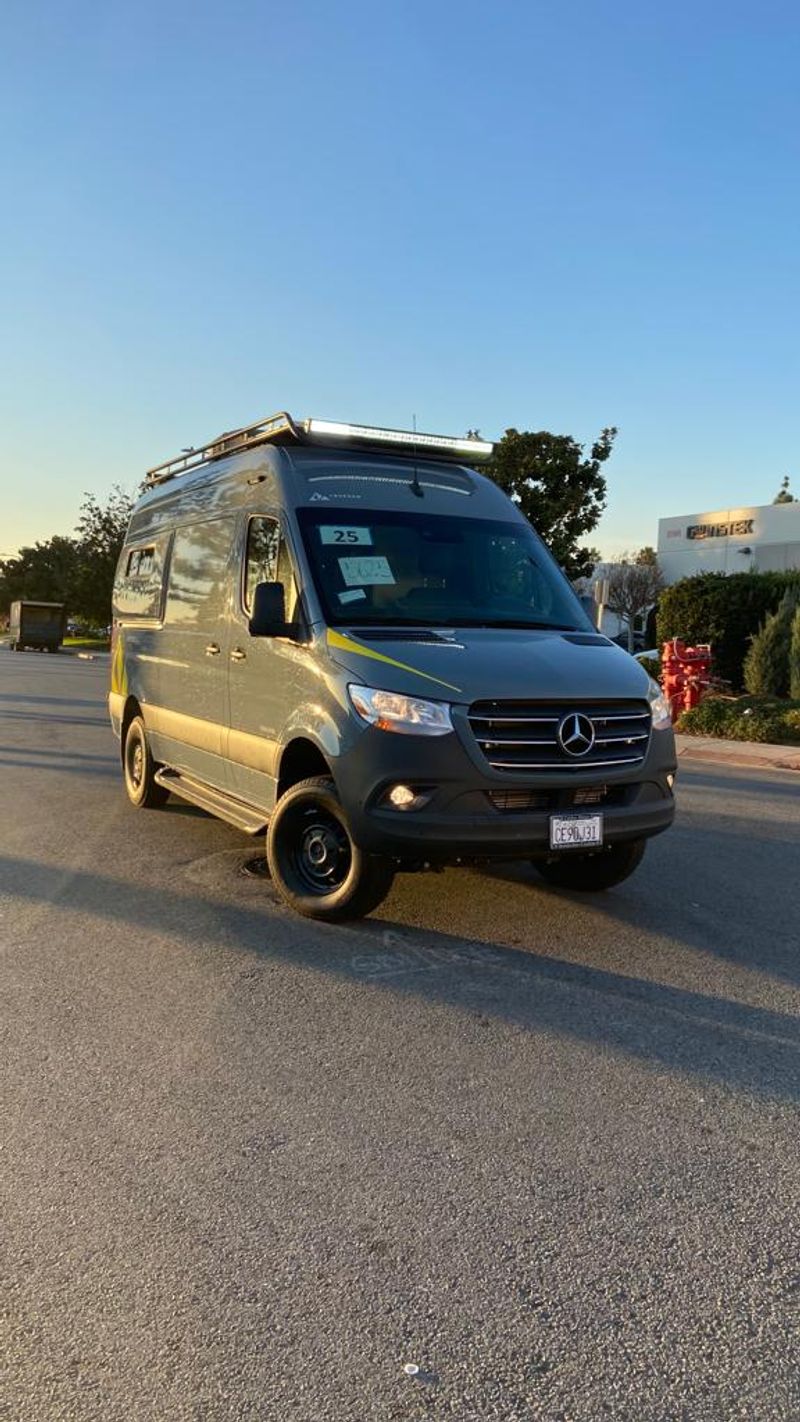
{"points": [[720, 530]]}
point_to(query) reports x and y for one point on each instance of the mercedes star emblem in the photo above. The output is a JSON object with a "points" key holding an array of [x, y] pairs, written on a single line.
{"points": [[575, 734]]}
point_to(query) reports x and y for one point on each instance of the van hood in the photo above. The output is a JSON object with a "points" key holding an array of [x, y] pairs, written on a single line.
{"points": [[477, 664]]}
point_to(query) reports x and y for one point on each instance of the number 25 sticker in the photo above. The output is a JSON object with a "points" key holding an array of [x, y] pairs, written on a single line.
{"points": [[347, 537]]}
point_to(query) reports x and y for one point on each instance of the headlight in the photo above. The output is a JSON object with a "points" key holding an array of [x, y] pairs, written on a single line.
{"points": [[390, 711], [660, 709]]}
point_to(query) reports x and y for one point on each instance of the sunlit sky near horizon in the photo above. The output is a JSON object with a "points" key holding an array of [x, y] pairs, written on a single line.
{"points": [[549, 216]]}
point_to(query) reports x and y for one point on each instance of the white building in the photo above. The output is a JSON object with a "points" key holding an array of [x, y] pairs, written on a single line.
{"points": [[765, 539]]}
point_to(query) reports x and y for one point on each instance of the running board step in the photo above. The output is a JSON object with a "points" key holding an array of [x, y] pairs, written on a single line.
{"points": [[216, 802]]}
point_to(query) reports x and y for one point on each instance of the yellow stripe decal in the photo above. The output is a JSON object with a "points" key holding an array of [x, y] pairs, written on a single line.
{"points": [[119, 673], [347, 644]]}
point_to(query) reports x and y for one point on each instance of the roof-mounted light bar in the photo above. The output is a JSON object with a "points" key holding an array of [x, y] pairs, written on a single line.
{"points": [[282, 429], [471, 447]]}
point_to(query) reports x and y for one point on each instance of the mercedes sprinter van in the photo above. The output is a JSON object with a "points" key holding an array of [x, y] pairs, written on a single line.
{"points": [[351, 639]]}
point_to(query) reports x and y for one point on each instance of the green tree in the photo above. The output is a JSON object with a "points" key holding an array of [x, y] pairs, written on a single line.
{"points": [[560, 491], [78, 571], [784, 494], [766, 665], [723, 609], [592, 558], [100, 536], [794, 658], [46, 571]]}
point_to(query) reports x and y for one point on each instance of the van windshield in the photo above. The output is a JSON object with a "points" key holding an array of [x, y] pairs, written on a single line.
{"points": [[415, 569]]}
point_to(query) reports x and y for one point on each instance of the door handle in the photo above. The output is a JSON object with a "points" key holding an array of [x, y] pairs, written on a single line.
{"points": [[212, 650], [237, 655]]}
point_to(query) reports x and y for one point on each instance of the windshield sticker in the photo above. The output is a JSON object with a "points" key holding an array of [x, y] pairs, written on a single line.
{"points": [[366, 572], [352, 596], [339, 533]]}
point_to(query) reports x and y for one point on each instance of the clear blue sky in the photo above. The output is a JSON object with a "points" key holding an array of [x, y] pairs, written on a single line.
{"points": [[551, 215]]}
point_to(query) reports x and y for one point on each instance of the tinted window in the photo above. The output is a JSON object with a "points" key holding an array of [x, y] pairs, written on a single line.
{"points": [[137, 592], [374, 566], [267, 560], [261, 558], [198, 573]]}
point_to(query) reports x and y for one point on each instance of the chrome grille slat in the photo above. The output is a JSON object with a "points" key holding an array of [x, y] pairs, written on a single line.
{"points": [[622, 734], [620, 740], [627, 716], [512, 741], [564, 765], [517, 720]]}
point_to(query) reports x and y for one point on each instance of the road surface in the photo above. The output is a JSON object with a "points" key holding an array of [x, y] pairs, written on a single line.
{"points": [[543, 1147]]}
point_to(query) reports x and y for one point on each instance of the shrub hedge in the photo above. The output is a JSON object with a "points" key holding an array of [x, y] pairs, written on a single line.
{"points": [[794, 658], [723, 610], [766, 663], [744, 718]]}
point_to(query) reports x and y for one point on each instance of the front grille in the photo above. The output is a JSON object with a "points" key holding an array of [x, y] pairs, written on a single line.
{"points": [[517, 802], [523, 735]]}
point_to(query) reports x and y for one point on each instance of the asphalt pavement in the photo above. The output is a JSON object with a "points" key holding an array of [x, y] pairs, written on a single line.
{"points": [[544, 1147]]}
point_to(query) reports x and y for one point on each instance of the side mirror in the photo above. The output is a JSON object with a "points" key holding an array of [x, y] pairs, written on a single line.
{"points": [[268, 617]]}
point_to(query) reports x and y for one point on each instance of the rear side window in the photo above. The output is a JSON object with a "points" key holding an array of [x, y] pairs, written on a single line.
{"points": [[139, 586], [141, 562], [199, 572]]}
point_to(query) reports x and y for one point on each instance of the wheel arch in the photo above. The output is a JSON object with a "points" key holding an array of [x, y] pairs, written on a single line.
{"points": [[300, 759]]}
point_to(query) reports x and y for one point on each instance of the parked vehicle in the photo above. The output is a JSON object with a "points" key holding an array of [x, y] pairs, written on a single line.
{"points": [[621, 640], [348, 637], [39, 625]]}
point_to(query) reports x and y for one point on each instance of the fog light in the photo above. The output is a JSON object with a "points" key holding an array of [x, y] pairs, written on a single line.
{"points": [[406, 798], [670, 779], [401, 796]]}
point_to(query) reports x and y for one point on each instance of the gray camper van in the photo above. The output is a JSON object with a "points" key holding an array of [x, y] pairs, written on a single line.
{"points": [[351, 639]]}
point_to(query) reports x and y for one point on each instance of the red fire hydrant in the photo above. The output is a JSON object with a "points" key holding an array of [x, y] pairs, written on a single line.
{"points": [[685, 674]]}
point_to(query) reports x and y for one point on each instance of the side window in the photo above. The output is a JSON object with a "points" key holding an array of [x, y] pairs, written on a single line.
{"points": [[267, 560], [261, 556], [138, 588], [198, 574]]}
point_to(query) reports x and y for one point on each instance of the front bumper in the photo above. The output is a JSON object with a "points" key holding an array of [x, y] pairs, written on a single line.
{"points": [[461, 821]]}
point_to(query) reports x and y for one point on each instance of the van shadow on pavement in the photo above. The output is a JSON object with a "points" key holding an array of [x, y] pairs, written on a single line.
{"points": [[742, 1047]]}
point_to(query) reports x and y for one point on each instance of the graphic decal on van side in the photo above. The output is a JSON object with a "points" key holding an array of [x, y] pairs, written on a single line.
{"points": [[119, 674], [348, 644]]}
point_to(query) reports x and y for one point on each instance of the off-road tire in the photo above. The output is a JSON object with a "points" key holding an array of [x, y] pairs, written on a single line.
{"points": [[315, 866], [139, 769]]}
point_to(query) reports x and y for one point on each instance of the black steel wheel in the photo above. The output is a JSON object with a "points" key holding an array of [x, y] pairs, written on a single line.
{"points": [[139, 769], [314, 864], [592, 873]]}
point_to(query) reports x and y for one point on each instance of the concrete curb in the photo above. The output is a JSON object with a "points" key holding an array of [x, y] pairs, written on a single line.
{"points": [[743, 753]]}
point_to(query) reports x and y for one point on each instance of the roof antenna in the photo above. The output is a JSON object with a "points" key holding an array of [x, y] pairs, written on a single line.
{"points": [[415, 486]]}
